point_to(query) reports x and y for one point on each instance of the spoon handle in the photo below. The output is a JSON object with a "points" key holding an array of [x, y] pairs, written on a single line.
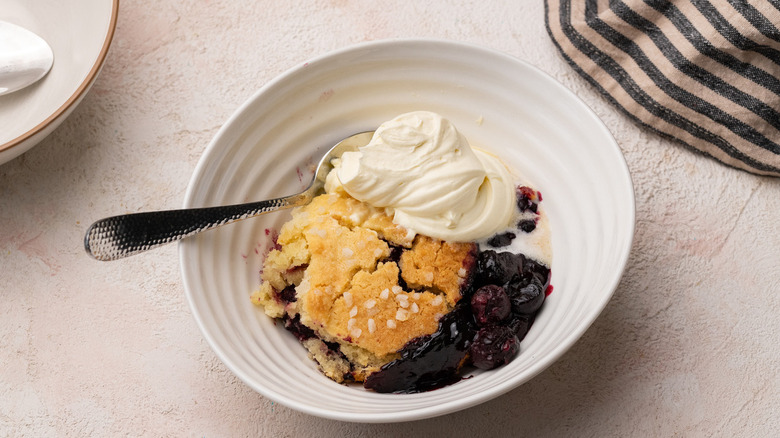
{"points": [[121, 236]]}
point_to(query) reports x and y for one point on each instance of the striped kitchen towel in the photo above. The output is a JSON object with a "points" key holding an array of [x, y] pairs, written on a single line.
{"points": [[706, 73]]}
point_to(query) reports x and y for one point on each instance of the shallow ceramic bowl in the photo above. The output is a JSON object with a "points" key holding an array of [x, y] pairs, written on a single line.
{"points": [[269, 146], [79, 33]]}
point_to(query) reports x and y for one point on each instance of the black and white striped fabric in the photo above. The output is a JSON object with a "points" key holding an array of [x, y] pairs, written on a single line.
{"points": [[706, 73]]}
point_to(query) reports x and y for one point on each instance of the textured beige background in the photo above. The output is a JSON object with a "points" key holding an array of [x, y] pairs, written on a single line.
{"points": [[687, 347]]}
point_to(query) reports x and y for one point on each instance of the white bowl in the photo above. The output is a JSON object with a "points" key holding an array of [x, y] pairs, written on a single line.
{"points": [[79, 33], [268, 147]]}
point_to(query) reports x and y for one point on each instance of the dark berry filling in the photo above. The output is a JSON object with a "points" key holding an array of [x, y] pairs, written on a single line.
{"points": [[294, 326], [520, 325], [527, 225], [497, 267], [395, 253], [287, 295], [527, 199], [493, 346], [527, 299], [533, 270], [485, 327], [502, 239], [490, 305]]}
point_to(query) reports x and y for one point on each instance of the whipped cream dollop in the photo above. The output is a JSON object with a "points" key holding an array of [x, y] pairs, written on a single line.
{"points": [[428, 177]]}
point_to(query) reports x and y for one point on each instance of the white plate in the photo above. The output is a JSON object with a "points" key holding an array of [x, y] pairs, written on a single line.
{"points": [[268, 148], [79, 33]]}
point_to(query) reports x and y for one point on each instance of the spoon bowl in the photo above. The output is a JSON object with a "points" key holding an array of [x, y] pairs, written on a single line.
{"points": [[25, 57], [121, 236]]}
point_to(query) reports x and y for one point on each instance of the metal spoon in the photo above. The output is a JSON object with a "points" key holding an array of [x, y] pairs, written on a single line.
{"points": [[24, 57], [122, 236]]}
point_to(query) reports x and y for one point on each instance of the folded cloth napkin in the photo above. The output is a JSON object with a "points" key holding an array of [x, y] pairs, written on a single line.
{"points": [[706, 73]]}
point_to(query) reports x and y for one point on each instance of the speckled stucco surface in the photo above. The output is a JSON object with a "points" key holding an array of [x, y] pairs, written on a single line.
{"points": [[688, 346]]}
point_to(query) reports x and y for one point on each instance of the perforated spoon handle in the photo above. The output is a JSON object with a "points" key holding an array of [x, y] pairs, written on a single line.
{"points": [[121, 236]]}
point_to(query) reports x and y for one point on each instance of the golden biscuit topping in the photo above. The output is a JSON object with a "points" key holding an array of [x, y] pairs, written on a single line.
{"points": [[336, 252]]}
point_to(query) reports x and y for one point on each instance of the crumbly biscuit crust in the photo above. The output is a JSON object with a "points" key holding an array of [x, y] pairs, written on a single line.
{"points": [[337, 254]]}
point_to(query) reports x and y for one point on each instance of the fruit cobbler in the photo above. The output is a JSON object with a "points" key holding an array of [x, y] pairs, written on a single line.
{"points": [[374, 301]]}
